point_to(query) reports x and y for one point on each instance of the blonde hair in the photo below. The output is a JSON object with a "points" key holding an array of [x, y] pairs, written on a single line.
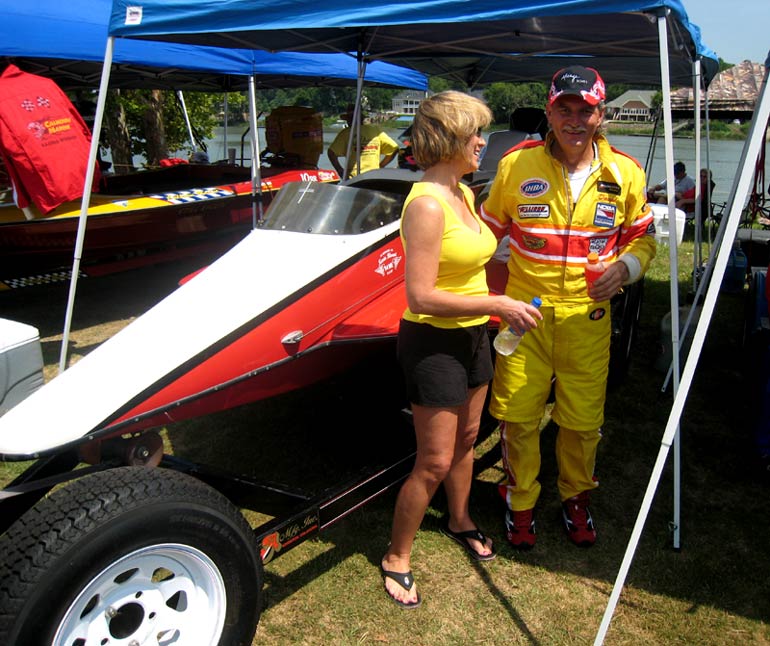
{"points": [[444, 124]]}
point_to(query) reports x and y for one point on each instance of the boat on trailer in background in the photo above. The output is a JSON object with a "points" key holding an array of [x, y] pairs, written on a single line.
{"points": [[163, 213], [141, 218]]}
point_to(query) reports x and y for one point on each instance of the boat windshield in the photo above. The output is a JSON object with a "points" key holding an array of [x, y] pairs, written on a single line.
{"points": [[331, 209]]}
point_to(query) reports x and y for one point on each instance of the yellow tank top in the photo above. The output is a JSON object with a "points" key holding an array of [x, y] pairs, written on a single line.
{"points": [[464, 253]]}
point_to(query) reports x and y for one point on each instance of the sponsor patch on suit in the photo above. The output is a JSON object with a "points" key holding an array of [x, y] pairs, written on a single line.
{"points": [[533, 242], [527, 211], [608, 187], [598, 245], [534, 187], [605, 215]]}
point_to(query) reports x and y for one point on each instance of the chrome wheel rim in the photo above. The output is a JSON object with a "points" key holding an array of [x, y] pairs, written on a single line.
{"points": [[161, 595]]}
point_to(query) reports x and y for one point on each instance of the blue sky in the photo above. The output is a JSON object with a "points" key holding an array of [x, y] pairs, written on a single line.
{"points": [[736, 31]]}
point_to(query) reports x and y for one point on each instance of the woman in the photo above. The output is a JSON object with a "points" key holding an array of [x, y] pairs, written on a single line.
{"points": [[443, 346]]}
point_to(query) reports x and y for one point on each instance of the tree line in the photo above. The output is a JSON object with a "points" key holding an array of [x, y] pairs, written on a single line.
{"points": [[151, 123]]}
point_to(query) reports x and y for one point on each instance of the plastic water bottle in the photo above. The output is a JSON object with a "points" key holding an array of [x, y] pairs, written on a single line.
{"points": [[594, 268], [507, 340]]}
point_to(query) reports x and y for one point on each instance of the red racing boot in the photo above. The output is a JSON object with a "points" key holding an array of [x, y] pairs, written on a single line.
{"points": [[520, 529], [577, 520]]}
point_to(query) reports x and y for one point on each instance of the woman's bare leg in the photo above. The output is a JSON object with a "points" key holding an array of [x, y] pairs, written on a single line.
{"points": [[436, 430], [457, 483]]}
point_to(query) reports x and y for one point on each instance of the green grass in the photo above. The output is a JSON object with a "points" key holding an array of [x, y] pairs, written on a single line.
{"points": [[714, 591]]}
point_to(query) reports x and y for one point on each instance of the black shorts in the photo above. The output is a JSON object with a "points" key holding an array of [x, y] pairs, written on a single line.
{"points": [[440, 366]]}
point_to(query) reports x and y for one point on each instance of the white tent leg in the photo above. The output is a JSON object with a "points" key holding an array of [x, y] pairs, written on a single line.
{"points": [[673, 250], [738, 194], [225, 152], [696, 100], [355, 127], [180, 96], [257, 208], [86, 201]]}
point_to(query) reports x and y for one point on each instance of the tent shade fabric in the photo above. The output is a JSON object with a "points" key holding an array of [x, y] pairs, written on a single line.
{"points": [[65, 41], [429, 34]]}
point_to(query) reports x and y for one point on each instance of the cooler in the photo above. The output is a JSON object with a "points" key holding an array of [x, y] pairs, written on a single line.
{"points": [[21, 363], [660, 215]]}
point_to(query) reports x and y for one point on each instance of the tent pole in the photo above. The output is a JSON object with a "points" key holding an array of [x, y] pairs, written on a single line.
{"points": [[180, 96], [86, 199], [738, 194], [674, 284], [696, 100], [359, 106], [355, 126], [225, 152], [702, 273], [256, 168], [673, 250], [708, 161]]}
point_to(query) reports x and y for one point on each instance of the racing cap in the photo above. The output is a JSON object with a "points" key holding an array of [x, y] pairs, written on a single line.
{"points": [[584, 82]]}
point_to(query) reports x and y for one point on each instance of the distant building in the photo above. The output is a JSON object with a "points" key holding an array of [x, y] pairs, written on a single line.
{"points": [[731, 95], [634, 105], [406, 102]]}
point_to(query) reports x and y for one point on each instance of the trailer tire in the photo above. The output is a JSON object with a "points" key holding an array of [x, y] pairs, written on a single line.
{"points": [[130, 555]]}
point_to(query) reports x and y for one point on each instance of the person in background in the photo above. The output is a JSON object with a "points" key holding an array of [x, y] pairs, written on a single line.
{"points": [[377, 148], [559, 200], [682, 182], [443, 343], [686, 199], [199, 157]]}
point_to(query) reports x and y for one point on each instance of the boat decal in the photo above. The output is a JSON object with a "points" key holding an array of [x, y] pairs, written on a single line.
{"points": [[194, 195], [290, 534], [39, 279], [388, 262]]}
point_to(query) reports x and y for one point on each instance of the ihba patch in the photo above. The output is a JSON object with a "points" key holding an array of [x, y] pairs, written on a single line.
{"points": [[605, 215]]}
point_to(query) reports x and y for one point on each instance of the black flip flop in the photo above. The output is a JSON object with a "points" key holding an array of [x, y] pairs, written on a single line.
{"points": [[462, 539], [406, 581]]}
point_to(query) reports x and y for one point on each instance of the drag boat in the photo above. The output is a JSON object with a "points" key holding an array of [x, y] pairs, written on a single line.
{"points": [[314, 288], [139, 218]]}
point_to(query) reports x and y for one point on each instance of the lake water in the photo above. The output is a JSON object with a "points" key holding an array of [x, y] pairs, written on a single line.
{"points": [[723, 155]]}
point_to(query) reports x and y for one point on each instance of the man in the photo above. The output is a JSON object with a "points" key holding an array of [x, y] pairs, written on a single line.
{"points": [[560, 199], [377, 148], [682, 183]]}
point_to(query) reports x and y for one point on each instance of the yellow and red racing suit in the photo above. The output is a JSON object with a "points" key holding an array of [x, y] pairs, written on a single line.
{"points": [[551, 233]]}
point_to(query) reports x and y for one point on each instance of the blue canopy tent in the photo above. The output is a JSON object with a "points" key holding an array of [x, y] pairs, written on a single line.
{"points": [[65, 42], [643, 41], [476, 42]]}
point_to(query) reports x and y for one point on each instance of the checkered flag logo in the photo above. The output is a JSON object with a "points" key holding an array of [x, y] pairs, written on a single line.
{"points": [[28, 105], [43, 102]]}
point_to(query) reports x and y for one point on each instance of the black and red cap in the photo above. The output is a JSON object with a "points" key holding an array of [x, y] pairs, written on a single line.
{"points": [[577, 80]]}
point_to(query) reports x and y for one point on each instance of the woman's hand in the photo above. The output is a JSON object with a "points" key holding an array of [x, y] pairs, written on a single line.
{"points": [[519, 315]]}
